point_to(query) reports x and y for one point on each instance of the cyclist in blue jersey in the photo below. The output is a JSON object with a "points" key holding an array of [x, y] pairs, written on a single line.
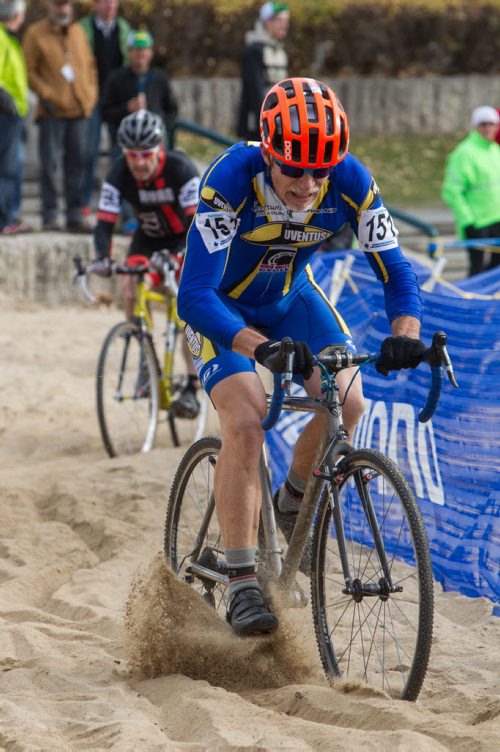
{"points": [[264, 209]]}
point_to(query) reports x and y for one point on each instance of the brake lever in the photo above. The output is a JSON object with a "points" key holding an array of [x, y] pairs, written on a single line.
{"points": [[288, 353], [438, 356], [79, 268]]}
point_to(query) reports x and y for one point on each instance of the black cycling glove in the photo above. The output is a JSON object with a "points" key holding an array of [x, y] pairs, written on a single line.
{"points": [[399, 352], [269, 355]]}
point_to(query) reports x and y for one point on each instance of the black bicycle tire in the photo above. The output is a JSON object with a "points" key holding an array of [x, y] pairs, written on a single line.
{"points": [[122, 327], [201, 449], [377, 461], [174, 434], [173, 429]]}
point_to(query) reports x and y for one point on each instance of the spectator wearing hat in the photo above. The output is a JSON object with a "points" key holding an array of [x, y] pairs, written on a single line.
{"points": [[264, 63], [138, 86], [135, 87], [62, 72], [107, 33], [471, 186], [13, 109]]}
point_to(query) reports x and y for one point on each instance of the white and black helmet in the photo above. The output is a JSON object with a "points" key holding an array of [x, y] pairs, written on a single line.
{"points": [[141, 130]]}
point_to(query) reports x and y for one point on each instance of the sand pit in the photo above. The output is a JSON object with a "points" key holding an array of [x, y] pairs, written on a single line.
{"points": [[79, 561]]}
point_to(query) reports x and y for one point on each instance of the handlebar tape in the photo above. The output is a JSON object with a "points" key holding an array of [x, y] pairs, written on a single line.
{"points": [[276, 404], [433, 397]]}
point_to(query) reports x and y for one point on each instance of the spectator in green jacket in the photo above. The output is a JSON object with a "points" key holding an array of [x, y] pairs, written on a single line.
{"points": [[107, 33], [471, 186], [13, 110]]}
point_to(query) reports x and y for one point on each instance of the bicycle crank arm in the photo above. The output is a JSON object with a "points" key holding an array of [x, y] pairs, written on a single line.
{"points": [[208, 574]]}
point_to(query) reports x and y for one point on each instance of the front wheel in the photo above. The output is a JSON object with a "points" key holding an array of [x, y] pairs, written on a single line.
{"points": [[127, 390], [193, 541], [371, 581]]}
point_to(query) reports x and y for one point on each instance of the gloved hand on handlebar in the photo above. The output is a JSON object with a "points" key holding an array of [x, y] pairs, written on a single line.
{"points": [[399, 352], [103, 267], [269, 355]]}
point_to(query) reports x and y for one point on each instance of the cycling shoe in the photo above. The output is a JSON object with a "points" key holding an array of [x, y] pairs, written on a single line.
{"points": [[186, 405], [286, 523], [248, 613]]}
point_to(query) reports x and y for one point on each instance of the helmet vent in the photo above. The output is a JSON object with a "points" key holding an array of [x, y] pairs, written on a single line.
{"points": [[312, 112], [270, 102], [296, 150], [329, 121], [313, 146], [289, 88], [343, 139], [294, 119]]}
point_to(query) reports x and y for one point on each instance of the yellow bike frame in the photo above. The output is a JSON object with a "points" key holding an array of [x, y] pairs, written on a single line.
{"points": [[143, 296]]}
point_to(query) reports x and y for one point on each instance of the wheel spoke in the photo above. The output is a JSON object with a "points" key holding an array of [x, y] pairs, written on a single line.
{"points": [[376, 633], [190, 500]]}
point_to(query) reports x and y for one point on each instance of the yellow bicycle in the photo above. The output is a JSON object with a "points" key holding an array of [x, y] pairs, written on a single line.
{"points": [[132, 389]]}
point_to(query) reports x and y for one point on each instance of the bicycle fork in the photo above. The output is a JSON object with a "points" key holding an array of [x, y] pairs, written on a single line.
{"points": [[357, 588]]}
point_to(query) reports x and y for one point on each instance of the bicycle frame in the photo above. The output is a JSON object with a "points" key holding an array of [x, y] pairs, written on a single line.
{"points": [[333, 444], [144, 296]]}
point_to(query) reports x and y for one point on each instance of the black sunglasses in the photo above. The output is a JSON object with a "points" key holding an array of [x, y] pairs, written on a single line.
{"points": [[297, 172]]}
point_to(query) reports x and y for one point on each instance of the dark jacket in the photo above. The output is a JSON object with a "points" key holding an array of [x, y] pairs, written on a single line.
{"points": [[123, 84], [264, 63]]}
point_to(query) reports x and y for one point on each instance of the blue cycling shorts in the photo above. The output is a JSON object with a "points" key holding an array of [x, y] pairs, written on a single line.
{"points": [[304, 314]]}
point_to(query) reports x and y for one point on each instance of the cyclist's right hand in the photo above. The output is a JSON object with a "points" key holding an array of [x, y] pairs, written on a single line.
{"points": [[103, 267], [270, 355]]}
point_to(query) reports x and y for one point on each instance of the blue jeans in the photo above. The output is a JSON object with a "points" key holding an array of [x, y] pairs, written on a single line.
{"points": [[11, 130], [62, 138]]}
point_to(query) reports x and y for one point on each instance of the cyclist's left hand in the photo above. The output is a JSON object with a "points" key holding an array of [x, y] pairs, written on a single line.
{"points": [[269, 355], [399, 352]]}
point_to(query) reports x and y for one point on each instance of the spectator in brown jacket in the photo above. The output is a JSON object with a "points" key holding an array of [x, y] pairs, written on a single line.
{"points": [[62, 72]]}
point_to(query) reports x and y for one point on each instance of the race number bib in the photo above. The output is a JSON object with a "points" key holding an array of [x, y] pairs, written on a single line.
{"points": [[376, 231], [217, 229], [109, 200], [188, 194]]}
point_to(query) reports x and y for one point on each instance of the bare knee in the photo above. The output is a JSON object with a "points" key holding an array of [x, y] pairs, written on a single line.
{"points": [[354, 409], [241, 405]]}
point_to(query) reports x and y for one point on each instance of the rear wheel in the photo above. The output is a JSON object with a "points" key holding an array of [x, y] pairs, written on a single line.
{"points": [[192, 538], [376, 624], [127, 391]]}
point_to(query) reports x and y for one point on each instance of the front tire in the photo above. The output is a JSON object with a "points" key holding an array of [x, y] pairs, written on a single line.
{"points": [[127, 391], [381, 631]]}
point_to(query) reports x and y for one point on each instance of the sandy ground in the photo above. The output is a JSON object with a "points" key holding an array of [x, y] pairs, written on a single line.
{"points": [[79, 549]]}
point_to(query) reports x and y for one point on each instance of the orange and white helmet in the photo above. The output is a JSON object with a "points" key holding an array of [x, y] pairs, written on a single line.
{"points": [[302, 123]]}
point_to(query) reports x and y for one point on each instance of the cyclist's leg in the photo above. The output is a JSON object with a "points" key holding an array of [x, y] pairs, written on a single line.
{"points": [[313, 319], [239, 398]]}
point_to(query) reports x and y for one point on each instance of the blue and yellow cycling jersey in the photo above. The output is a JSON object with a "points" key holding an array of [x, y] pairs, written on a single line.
{"points": [[246, 249]]}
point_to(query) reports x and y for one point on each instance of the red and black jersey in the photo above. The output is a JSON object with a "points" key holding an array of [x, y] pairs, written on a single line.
{"points": [[164, 205]]}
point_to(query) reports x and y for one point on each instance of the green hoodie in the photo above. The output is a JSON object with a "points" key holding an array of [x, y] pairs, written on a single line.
{"points": [[13, 76], [471, 186]]}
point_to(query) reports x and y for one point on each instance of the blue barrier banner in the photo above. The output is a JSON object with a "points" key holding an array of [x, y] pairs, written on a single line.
{"points": [[452, 462]]}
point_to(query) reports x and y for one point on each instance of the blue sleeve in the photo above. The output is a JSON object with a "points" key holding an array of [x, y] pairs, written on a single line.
{"points": [[200, 302], [401, 289]]}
